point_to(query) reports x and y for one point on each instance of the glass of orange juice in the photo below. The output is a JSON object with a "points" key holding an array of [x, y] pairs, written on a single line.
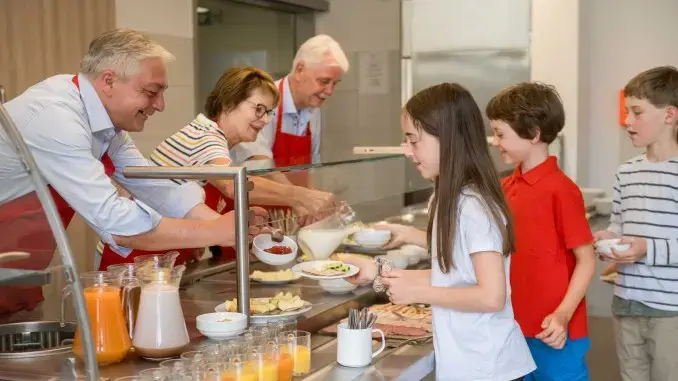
{"points": [[297, 344], [240, 369], [264, 360]]}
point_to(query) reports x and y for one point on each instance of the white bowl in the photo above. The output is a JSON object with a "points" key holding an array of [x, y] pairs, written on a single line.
{"points": [[264, 241], [605, 246], [422, 253], [372, 237], [213, 323], [398, 261], [412, 257], [603, 206], [337, 286], [221, 335]]}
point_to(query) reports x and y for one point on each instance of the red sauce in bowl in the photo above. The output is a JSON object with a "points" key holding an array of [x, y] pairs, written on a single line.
{"points": [[279, 249]]}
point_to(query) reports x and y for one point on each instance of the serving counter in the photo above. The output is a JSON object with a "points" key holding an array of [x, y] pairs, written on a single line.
{"points": [[204, 294]]}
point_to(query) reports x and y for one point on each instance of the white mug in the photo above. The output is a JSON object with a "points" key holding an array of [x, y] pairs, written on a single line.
{"points": [[354, 346]]}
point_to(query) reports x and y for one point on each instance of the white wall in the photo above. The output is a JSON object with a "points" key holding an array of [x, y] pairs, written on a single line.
{"points": [[352, 117], [625, 38], [555, 60], [172, 24], [589, 50]]}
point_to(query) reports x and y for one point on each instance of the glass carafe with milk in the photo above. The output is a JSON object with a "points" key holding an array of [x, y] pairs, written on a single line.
{"points": [[319, 239], [160, 330]]}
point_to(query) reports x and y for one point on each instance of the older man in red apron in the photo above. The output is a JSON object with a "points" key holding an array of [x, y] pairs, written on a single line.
{"points": [[77, 130]]}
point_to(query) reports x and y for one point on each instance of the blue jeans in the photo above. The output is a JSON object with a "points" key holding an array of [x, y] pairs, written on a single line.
{"points": [[566, 364]]}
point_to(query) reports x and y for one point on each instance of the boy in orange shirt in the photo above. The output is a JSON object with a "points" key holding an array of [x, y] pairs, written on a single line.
{"points": [[554, 259]]}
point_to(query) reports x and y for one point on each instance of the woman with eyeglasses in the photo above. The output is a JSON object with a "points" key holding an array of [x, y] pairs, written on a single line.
{"points": [[238, 107]]}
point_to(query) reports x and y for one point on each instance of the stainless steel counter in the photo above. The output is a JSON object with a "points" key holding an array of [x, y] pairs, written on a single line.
{"points": [[207, 292]]}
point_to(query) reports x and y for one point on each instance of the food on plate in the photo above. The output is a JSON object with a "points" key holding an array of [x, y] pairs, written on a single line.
{"points": [[279, 249], [281, 302], [329, 269], [224, 320], [400, 320], [272, 276]]}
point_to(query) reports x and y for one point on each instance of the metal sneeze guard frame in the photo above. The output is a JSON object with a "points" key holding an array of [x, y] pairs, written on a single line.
{"points": [[206, 172], [54, 220]]}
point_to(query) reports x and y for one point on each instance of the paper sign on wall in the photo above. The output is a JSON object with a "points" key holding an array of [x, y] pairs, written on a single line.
{"points": [[373, 73]]}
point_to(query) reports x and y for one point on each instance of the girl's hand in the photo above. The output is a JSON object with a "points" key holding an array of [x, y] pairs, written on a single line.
{"points": [[400, 289], [399, 234], [368, 269]]}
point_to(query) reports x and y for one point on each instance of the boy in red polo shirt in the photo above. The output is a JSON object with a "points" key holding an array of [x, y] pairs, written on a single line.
{"points": [[554, 259]]}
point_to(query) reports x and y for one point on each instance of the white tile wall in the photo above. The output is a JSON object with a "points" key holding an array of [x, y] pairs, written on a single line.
{"points": [[170, 17]]}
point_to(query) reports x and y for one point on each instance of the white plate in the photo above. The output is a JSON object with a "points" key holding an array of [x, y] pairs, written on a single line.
{"points": [[299, 269], [281, 316], [278, 282]]}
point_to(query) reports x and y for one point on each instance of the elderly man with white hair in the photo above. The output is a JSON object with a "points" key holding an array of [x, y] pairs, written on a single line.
{"points": [[293, 135], [77, 128]]}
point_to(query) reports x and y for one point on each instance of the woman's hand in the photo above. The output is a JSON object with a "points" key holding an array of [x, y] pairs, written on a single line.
{"points": [[368, 269], [400, 234]]}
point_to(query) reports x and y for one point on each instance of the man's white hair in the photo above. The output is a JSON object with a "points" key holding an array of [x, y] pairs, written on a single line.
{"points": [[121, 51], [321, 50]]}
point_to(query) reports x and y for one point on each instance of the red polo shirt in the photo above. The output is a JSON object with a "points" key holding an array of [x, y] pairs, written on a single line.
{"points": [[549, 221]]}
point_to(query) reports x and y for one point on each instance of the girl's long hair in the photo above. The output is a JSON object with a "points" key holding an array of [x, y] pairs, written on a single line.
{"points": [[449, 112]]}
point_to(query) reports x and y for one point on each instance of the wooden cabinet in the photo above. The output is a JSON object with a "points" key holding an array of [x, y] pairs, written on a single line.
{"points": [[40, 38]]}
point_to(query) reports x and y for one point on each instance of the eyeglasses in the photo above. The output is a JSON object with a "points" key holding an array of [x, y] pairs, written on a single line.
{"points": [[260, 110]]}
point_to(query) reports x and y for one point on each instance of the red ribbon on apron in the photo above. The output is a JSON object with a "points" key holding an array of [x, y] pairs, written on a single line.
{"points": [[25, 228]]}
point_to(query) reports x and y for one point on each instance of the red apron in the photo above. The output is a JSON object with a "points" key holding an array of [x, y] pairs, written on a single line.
{"points": [[25, 228], [291, 149]]}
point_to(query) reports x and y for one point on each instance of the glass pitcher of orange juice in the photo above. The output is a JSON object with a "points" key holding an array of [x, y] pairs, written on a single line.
{"points": [[104, 303]]}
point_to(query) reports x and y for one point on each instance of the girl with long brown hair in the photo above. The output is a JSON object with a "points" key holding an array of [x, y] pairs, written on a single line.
{"points": [[470, 237]]}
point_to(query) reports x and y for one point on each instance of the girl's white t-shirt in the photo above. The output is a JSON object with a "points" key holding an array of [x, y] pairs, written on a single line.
{"points": [[476, 345]]}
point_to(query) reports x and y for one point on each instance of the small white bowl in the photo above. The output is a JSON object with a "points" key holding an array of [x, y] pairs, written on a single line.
{"points": [[337, 286], [412, 257], [220, 335], [605, 246], [264, 241], [373, 238], [422, 253], [398, 261], [213, 326]]}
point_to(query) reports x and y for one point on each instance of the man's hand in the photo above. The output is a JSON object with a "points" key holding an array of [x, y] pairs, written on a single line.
{"points": [[257, 225]]}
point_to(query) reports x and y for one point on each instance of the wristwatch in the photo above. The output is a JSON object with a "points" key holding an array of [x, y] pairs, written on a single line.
{"points": [[384, 267]]}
